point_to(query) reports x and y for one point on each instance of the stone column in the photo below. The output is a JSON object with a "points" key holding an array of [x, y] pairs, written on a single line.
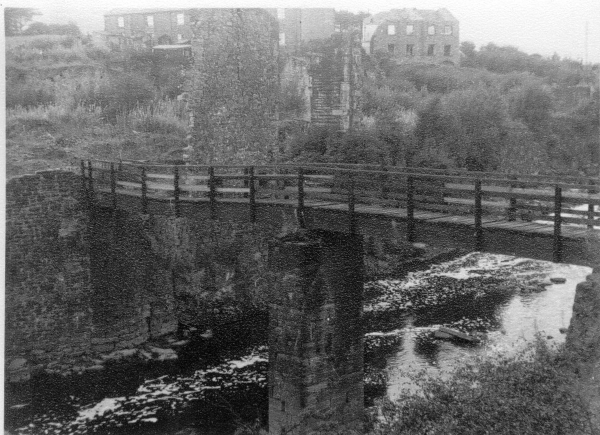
{"points": [[316, 339]]}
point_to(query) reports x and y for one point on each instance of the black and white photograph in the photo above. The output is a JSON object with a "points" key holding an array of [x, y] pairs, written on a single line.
{"points": [[303, 218]]}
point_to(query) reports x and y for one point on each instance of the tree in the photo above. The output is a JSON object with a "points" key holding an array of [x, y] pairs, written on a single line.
{"points": [[533, 105], [468, 49], [16, 18]]}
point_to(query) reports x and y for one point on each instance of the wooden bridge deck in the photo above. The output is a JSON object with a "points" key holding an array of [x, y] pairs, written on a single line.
{"points": [[520, 215], [491, 222]]}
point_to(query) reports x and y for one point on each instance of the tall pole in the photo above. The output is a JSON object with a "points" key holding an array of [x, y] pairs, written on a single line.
{"points": [[586, 42]]}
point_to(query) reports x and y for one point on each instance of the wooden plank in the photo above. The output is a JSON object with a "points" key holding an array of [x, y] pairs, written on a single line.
{"points": [[423, 215], [182, 178], [580, 212], [444, 208], [342, 198], [276, 177], [161, 176], [194, 177], [268, 192], [231, 177], [232, 189], [465, 201], [378, 201], [129, 184], [510, 192], [319, 177], [585, 198], [194, 188], [510, 225], [159, 186]]}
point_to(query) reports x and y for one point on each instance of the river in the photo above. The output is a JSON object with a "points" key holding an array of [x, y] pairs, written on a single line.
{"points": [[504, 299]]}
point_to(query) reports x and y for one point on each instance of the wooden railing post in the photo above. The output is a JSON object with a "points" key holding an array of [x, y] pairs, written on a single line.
{"points": [[557, 251], [512, 206], [478, 216], [383, 183], [351, 205], [113, 185], [144, 192], [212, 192], [176, 191], [590, 214], [252, 186], [410, 209], [84, 182], [90, 181], [301, 221], [246, 183]]}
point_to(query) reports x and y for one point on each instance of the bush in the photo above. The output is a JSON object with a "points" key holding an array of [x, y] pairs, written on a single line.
{"points": [[122, 93], [29, 93], [529, 393], [162, 117], [533, 105]]}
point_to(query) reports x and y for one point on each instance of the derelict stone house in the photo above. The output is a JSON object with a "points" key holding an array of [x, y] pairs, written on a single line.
{"points": [[147, 27], [297, 26], [413, 35]]}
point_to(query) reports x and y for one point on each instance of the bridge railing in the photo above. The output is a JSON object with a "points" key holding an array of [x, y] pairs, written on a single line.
{"points": [[478, 195]]}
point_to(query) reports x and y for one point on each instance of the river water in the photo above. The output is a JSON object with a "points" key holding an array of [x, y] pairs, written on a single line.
{"points": [[218, 385]]}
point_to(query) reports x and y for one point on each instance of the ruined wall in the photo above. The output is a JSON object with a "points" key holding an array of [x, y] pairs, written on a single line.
{"points": [[48, 288], [233, 86], [336, 73], [583, 336], [583, 339], [328, 75]]}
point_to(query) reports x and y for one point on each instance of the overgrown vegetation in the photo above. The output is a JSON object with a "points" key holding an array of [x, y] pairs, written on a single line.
{"points": [[530, 393], [502, 110], [69, 98]]}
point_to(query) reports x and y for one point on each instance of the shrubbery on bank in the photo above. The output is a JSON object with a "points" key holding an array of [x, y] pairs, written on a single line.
{"points": [[530, 393]]}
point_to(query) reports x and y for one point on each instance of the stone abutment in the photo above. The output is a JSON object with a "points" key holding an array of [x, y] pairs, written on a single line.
{"points": [[315, 334]]}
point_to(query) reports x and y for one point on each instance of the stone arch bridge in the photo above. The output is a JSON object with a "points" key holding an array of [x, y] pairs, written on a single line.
{"points": [[315, 340]]}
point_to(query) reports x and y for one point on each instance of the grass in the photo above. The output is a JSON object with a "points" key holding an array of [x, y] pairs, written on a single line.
{"points": [[530, 393], [53, 136], [68, 100]]}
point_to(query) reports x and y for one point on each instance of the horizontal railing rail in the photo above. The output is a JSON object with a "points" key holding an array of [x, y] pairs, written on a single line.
{"points": [[511, 197]]}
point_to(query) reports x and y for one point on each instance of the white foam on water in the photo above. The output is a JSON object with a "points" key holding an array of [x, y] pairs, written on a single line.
{"points": [[101, 408]]}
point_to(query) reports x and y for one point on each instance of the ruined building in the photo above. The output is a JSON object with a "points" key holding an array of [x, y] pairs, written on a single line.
{"points": [[138, 28], [322, 62], [298, 26], [413, 35], [329, 77], [244, 60]]}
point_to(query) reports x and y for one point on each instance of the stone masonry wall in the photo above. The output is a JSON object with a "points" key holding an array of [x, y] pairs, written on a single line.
{"points": [[152, 274], [583, 340], [80, 284], [48, 288], [315, 334]]}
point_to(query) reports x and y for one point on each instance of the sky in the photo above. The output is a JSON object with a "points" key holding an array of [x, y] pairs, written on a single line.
{"points": [[534, 26]]}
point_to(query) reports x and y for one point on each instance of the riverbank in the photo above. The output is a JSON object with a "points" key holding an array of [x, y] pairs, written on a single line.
{"points": [[528, 393], [544, 388]]}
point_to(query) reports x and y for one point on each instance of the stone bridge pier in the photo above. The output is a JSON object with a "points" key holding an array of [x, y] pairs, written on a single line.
{"points": [[315, 338]]}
